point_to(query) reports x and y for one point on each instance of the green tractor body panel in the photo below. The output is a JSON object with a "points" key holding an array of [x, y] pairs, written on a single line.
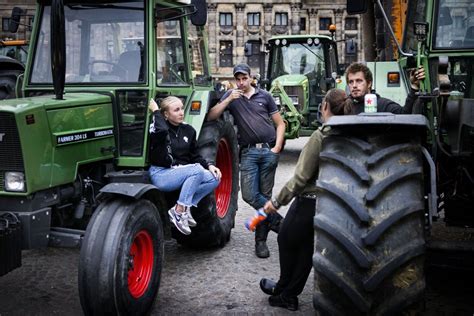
{"points": [[395, 90], [58, 135], [117, 57], [301, 68]]}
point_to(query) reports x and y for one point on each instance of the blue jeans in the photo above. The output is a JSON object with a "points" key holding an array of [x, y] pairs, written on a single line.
{"points": [[195, 182], [257, 175]]}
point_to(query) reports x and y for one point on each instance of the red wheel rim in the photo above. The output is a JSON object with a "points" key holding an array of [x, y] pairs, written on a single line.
{"points": [[224, 190], [140, 265]]}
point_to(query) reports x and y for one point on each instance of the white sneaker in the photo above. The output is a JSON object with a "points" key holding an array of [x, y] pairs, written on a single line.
{"points": [[191, 220], [180, 220]]}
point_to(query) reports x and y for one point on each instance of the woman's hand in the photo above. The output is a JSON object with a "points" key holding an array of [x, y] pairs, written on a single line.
{"points": [[152, 106], [269, 208], [215, 172]]}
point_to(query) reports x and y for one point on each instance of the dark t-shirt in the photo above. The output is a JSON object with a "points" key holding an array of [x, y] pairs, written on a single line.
{"points": [[253, 117]]}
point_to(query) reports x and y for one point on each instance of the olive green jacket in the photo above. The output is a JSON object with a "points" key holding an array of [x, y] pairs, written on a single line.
{"points": [[306, 172]]}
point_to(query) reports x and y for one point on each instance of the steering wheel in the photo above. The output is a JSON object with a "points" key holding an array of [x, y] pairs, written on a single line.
{"points": [[175, 69], [114, 65]]}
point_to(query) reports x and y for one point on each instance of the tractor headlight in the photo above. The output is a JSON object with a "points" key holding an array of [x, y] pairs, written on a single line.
{"points": [[294, 99], [15, 181], [277, 100]]}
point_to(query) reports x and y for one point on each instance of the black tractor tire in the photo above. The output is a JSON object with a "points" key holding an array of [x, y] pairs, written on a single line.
{"points": [[121, 258], [7, 83], [215, 214], [369, 225]]}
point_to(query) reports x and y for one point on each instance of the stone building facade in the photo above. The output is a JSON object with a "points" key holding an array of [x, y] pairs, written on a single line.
{"points": [[232, 23], [6, 6]]}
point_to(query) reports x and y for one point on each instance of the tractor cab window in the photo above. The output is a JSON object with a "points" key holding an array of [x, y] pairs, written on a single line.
{"points": [[171, 66], [454, 28], [298, 59], [104, 44], [461, 76], [198, 57]]}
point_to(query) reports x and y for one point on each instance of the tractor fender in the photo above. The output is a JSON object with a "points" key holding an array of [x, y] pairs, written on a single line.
{"points": [[134, 190], [10, 64], [379, 118]]}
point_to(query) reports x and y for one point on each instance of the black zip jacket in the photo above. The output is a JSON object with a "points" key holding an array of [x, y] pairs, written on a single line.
{"points": [[387, 105], [173, 145]]}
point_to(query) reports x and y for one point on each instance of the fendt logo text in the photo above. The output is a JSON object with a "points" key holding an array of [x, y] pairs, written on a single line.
{"points": [[1, 136]]}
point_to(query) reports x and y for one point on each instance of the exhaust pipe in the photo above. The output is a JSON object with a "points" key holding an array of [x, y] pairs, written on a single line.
{"points": [[58, 47]]}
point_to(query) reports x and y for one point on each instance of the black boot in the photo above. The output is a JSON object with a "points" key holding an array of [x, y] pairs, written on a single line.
{"points": [[274, 221], [290, 303], [269, 287], [261, 233]]}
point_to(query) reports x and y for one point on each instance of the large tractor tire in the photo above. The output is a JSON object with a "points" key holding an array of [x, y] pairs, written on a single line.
{"points": [[7, 83], [10, 69], [215, 214], [369, 225], [121, 258]]}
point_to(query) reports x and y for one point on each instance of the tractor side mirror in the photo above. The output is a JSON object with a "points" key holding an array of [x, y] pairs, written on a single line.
{"points": [[341, 69], [356, 6], [199, 18], [351, 48], [15, 19]]}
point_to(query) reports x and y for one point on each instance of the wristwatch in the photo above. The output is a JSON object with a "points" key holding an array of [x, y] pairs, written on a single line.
{"points": [[275, 203]]}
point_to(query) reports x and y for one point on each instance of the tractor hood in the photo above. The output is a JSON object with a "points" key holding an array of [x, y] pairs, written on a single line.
{"points": [[292, 80], [48, 102], [47, 139]]}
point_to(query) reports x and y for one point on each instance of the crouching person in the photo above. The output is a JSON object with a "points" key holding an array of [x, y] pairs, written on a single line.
{"points": [[175, 162]]}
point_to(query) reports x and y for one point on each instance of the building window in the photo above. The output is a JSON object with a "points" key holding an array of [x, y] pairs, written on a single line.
{"points": [[6, 24], [281, 19], [253, 19], [302, 24], [171, 24], [324, 24], [225, 19], [225, 54], [254, 60], [351, 49], [351, 24], [458, 22], [30, 23]]}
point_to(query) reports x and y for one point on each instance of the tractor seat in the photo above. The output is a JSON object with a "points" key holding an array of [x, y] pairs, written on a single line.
{"points": [[128, 66], [469, 37]]}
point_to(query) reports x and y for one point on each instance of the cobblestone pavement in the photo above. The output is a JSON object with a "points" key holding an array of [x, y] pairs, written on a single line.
{"points": [[213, 282]]}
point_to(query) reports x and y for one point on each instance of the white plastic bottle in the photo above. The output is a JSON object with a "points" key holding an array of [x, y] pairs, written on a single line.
{"points": [[370, 103]]}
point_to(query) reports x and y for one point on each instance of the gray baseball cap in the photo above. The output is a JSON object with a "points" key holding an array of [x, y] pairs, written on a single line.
{"points": [[242, 69]]}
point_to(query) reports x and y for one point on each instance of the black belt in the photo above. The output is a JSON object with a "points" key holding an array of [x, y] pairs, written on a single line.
{"points": [[259, 145]]}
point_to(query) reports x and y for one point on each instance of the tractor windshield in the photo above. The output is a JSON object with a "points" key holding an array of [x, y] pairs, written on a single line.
{"points": [[104, 43], [297, 58], [454, 25]]}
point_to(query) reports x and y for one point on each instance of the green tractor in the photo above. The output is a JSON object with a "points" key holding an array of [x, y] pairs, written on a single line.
{"points": [[73, 150], [385, 178], [301, 68]]}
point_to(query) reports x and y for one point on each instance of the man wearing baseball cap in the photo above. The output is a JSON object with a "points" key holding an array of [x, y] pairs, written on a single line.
{"points": [[261, 135]]}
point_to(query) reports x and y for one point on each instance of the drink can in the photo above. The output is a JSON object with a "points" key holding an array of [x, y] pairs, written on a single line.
{"points": [[370, 103]]}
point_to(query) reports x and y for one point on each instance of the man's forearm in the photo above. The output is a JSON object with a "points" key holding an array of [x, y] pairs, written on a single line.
{"points": [[280, 135], [216, 111]]}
